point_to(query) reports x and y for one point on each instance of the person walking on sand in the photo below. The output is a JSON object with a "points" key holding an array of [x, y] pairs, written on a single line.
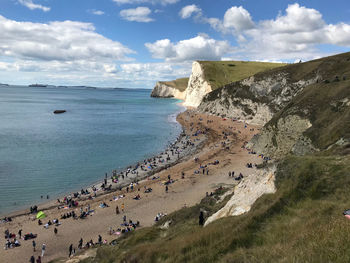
{"points": [[80, 245], [34, 245], [70, 250], [117, 210], [123, 207], [55, 231], [166, 188], [100, 240], [32, 259], [43, 248], [38, 259], [20, 233]]}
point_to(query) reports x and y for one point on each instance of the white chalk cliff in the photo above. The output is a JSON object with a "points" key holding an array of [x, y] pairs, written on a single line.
{"points": [[246, 193], [162, 90], [197, 87]]}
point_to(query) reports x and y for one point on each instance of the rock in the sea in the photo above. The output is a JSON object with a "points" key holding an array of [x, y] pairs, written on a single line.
{"points": [[59, 111]]}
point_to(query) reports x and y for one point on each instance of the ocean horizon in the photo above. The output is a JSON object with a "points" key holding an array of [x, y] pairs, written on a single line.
{"points": [[42, 153]]}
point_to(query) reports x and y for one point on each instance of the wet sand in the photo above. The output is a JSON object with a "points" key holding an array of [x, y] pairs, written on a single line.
{"points": [[209, 147]]}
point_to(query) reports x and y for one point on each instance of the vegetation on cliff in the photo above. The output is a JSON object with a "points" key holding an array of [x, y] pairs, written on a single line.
{"points": [[301, 222], [179, 84], [220, 73]]}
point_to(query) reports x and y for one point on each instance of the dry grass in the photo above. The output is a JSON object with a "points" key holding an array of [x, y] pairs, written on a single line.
{"points": [[302, 222]]}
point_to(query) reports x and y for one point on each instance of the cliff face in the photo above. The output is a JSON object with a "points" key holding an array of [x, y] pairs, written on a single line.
{"points": [[197, 87], [254, 100], [162, 90], [246, 193]]}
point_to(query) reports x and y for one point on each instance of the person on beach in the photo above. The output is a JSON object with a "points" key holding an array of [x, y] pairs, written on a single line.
{"points": [[38, 259], [43, 248], [117, 210], [32, 259], [20, 233], [80, 245], [34, 245], [166, 189], [201, 218], [70, 250], [123, 207], [100, 240], [55, 231]]}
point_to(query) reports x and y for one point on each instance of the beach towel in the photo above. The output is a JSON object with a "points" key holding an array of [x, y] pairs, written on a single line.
{"points": [[40, 215]]}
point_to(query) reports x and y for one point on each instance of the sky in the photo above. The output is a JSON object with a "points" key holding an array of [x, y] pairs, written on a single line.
{"points": [[134, 43]]}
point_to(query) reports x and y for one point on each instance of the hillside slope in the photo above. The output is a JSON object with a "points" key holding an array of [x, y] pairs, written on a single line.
{"points": [[316, 119], [257, 98], [301, 222]]}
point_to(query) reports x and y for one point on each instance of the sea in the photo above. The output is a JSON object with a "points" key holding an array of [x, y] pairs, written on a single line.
{"points": [[42, 153]]}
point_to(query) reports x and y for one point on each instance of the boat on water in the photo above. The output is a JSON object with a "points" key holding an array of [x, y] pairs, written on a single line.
{"points": [[38, 85]]}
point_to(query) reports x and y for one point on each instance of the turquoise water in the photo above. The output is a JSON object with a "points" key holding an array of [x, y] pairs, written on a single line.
{"points": [[103, 129]]}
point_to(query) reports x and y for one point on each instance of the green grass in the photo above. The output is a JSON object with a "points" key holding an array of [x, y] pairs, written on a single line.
{"points": [[220, 73], [301, 222], [179, 84]]}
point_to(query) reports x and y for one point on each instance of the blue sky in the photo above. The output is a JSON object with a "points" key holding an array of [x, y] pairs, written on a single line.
{"points": [[134, 43]]}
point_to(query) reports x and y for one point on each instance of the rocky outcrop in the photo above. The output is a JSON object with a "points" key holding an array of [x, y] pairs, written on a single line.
{"points": [[162, 90], [282, 137], [246, 193], [197, 87], [59, 111], [254, 100]]}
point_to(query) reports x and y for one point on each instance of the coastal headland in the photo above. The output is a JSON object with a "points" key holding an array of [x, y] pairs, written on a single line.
{"points": [[259, 174]]}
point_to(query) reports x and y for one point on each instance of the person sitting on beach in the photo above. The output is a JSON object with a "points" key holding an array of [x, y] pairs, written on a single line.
{"points": [[137, 197]]}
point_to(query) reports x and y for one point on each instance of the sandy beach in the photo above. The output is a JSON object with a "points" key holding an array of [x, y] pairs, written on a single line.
{"points": [[213, 143]]}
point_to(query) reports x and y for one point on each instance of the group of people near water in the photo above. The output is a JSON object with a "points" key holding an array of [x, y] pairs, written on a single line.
{"points": [[74, 201]]}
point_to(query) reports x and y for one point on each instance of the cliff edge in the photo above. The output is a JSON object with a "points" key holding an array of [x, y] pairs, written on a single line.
{"points": [[170, 89]]}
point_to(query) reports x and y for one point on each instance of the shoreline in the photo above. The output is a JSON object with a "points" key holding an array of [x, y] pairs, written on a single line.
{"points": [[219, 151], [49, 204]]}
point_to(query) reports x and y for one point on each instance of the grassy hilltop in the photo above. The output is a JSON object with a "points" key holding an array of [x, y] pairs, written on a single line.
{"points": [[301, 222], [220, 73], [179, 84]]}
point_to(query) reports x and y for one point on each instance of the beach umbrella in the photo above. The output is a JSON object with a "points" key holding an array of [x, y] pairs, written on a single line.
{"points": [[40, 215]]}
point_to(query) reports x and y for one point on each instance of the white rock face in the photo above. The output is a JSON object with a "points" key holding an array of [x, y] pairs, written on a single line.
{"points": [[197, 87], [162, 90], [246, 110], [253, 101], [286, 136], [246, 193]]}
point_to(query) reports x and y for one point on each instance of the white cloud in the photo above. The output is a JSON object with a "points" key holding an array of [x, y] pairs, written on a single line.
{"points": [[188, 10], [200, 47], [96, 12], [149, 72], [295, 34], [62, 41], [68, 52], [32, 6], [237, 18], [162, 2], [138, 14]]}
